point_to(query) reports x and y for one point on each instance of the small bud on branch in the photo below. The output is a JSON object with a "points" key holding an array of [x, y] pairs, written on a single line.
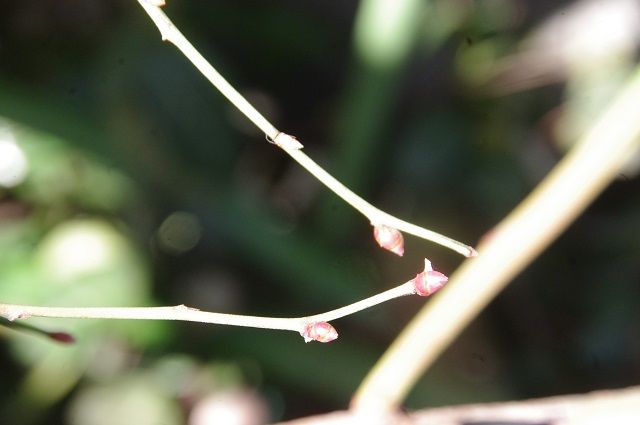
{"points": [[319, 331], [389, 238], [428, 281]]}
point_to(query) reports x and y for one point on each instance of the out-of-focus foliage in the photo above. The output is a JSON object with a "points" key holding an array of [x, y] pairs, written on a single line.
{"points": [[126, 180]]}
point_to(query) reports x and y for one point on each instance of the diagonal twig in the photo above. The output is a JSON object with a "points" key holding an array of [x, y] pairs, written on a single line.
{"points": [[289, 144]]}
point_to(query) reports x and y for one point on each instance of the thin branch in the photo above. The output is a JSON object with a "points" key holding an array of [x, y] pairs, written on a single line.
{"points": [[288, 143], [407, 288], [584, 172], [62, 337], [13, 312], [179, 312]]}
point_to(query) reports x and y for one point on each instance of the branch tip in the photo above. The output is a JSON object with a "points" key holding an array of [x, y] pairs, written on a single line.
{"points": [[472, 252], [62, 337]]}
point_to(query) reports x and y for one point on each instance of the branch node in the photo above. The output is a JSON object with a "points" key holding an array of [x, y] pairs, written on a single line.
{"points": [[183, 307], [285, 141]]}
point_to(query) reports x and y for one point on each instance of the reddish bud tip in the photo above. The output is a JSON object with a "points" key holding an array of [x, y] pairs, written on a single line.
{"points": [[62, 337], [319, 331], [429, 281], [389, 238]]}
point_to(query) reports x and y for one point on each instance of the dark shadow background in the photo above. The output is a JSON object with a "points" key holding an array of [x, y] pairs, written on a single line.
{"points": [[145, 187]]}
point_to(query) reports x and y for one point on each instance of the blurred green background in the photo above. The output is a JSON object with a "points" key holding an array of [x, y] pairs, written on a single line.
{"points": [[126, 180]]}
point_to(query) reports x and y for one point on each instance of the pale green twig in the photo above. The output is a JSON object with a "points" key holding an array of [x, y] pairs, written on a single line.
{"points": [[183, 313], [188, 314]]}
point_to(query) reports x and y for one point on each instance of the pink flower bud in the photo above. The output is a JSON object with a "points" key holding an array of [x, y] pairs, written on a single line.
{"points": [[429, 281], [319, 331], [389, 238], [62, 337]]}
